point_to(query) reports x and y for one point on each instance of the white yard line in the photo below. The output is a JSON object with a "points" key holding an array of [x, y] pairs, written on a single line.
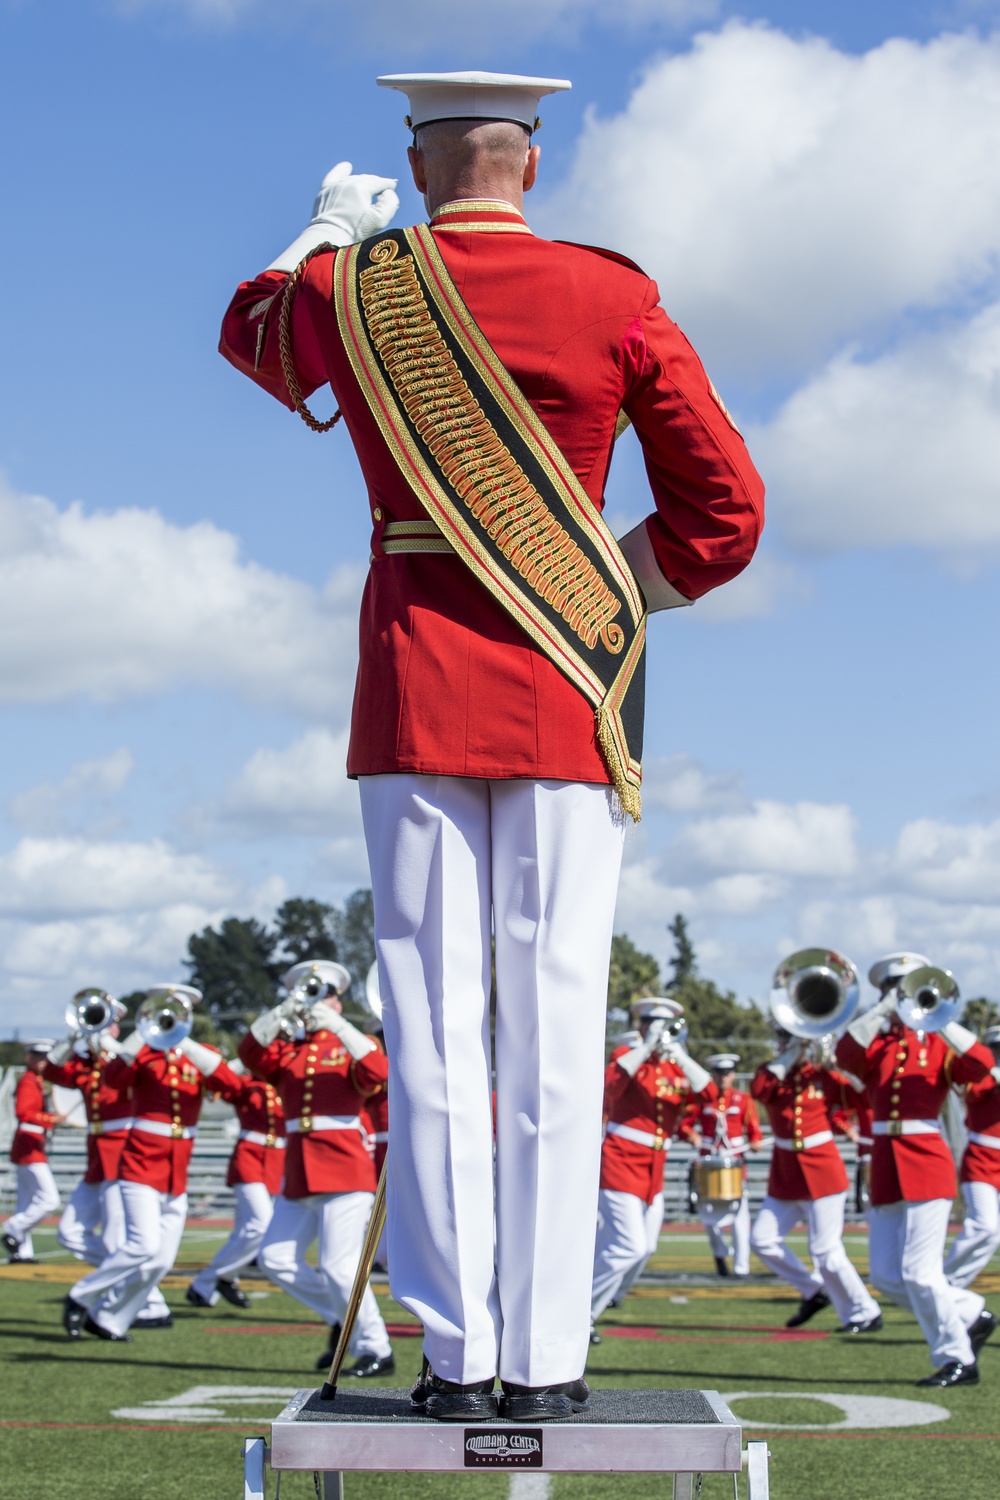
{"points": [[530, 1487]]}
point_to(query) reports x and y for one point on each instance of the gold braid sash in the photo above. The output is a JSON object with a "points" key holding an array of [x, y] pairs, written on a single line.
{"points": [[485, 468]]}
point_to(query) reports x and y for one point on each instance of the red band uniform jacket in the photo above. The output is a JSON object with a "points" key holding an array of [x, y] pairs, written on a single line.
{"points": [[377, 1126], [259, 1154], [27, 1148], [317, 1078], [725, 1120], [907, 1077], [981, 1163], [447, 683], [167, 1089], [109, 1111], [799, 1106], [652, 1103]]}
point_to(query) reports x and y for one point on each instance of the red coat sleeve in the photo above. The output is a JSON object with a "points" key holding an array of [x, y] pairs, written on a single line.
{"points": [[371, 1072], [29, 1099], [764, 1085], [974, 1065], [250, 332], [264, 1061], [751, 1124], [852, 1056], [224, 1082]]}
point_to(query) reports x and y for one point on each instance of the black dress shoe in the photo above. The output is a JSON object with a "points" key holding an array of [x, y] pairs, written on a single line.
{"points": [[863, 1325], [366, 1366], [420, 1389], [105, 1333], [326, 1358], [721, 1266], [808, 1308], [543, 1403], [73, 1315], [981, 1329], [195, 1298], [12, 1246], [953, 1373], [232, 1293], [164, 1321], [446, 1402], [595, 1337]]}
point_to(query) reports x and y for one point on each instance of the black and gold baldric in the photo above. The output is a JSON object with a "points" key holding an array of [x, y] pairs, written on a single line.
{"points": [[489, 474]]}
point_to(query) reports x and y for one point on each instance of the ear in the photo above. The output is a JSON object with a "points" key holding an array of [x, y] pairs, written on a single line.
{"points": [[416, 160], [531, 168]]}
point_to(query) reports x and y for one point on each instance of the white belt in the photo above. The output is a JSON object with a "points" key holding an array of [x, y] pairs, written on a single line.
{"points": [[985, 1140], [734, 1147], [806, 1143], [32, 1129], [905, 1127], [161, 1127], [308, 1124], [104, 1127], [380, 1137], [258, 1138], [640, 1137]]}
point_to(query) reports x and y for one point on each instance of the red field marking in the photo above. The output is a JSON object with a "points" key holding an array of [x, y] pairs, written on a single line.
{"points": [[397, 1330], [774, 1336]]}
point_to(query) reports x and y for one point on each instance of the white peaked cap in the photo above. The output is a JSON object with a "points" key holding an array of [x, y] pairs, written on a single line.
{"points": [[472, 96], [42, 1044], [333, 975], [183, 991], [991, 1036], [722, 1062], [656, 1008], [894, 966]]}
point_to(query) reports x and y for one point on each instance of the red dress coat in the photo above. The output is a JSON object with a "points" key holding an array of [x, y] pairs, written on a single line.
{"points": [[981, 1163], [377, 1125], [317, 1079], [650, 1104], [27, 1148], [907, 1077], [167, 1091], [108, 1106], [259, 1154], [799, 1106], [447, 683], [725, 1121]]}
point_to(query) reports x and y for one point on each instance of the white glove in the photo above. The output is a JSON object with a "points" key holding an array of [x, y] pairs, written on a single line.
{"points": [[693, 1071], [62, 1050], [785, 1061], [630, 1062], [639, 554], [347, 209], [205, 1059], [958, 1039], [324, 1018], [995, 1075], [128, 1050], [268, 1025], [867, 1027]]}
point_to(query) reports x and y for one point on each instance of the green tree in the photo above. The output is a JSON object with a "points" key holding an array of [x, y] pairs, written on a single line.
{"points": [[632, 975], [235, 968], [354, 927], [716, 1019], [684, 964], [979, 1014], [305, 929]]}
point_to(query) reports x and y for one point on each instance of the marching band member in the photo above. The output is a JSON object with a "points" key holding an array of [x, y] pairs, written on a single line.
{"points": [[807, 1182], [907, 1075], [974, 1245], [168, 1084], [647, 1089], [256, 1169], [493, 713], [725, 1121], [324, 1081], [37, 1194]]}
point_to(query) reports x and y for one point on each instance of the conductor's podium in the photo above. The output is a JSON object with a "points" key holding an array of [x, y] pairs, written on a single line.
{"points": [[681, 1433]]}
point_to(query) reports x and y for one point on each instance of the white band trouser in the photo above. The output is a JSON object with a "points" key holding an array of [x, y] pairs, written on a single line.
{"points": [[337, 1221], [37, 1197], [832, 1271], [118, 1290], [538, 861], [974, 1246], [93, 1221], [906, 1245], [628, 1229], [717, 1217], [252, 1214]]}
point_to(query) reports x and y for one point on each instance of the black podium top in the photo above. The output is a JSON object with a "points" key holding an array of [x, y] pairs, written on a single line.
{"points": [[606, 1408]]}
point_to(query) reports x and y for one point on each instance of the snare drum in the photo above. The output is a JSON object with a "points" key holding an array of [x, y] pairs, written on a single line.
{"points": [[719, 1179]]}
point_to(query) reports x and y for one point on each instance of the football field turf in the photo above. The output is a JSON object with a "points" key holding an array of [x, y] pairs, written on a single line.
{"points": [[163, 1417]]}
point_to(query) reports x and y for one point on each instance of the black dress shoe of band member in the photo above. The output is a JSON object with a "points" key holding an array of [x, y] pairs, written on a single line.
{"points": [[12, 1247], [326, 1358], [863, 1325], [808, 1308], [105, 1333], [953, 1373], [981, 1329], [543, 1403], [73, 1315], [233, 1294], [165, 1320], [366, 1366], [721, 1266], [195, 1298], [446, 1402], [595, 1337]]}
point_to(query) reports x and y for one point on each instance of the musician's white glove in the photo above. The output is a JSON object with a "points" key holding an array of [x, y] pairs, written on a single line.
{"points": [[867, 1027], [693, 1071], [348, 208], [631, 1061], [61, 1051], [785, 1061], [995, 1075], [128, 1050], [205, 1059], [639, 554], [958, 1039], [268, 1025], [324, 1018]]}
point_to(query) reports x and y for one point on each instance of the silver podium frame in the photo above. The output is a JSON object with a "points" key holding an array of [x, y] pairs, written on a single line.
{"points": [[683, 1450]]}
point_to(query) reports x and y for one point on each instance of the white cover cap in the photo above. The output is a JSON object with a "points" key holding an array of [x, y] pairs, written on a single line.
{"points": [[472, 96], [41, 1044], [656, 1008], [333, 975], [894, 966], [164, 991], [722, 1062]]}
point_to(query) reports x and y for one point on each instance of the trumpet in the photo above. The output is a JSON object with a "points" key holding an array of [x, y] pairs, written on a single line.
{"points": [[815, 993], [928, 998], [92, 1011], [164, 1018], [310, 982]]}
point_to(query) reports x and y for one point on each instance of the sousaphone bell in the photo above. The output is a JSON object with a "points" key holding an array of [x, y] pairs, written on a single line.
{"points": [[164, 1018], [928, 998], [815, 993]]}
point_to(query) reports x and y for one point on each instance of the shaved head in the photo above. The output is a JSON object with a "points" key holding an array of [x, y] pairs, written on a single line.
{"points": [[453, 159]]}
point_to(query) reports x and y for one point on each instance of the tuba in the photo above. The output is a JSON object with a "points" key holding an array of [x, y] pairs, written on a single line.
{"points": [[164, 1018], [928, 998], [92, 1011], [814, 993]]}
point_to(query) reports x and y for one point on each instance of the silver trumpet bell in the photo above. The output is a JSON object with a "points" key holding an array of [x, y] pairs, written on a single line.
{"points": [[928, 998], [164, 1018], [815, 993], [92, 1011], [373, 994]]}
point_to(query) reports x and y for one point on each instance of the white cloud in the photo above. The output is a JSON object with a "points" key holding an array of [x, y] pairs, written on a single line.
{"points": [[301, 789], [679, 784], [788, 195], [805, 839], [109, 605], [84, 791], [51, 878]]}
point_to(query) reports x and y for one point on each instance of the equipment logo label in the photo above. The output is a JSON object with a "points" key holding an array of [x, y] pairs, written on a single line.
{"points": [[490, 1448]]}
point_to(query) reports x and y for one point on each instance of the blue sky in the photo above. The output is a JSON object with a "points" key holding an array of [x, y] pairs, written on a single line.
{"points": [[814, 188]]}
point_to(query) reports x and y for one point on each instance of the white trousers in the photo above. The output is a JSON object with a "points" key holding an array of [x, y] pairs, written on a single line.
{"points": [[117, 1291], [628, 1229], [253, 1210], [906, 1262], [37, 1197], [718, 1217], [974, 1245], [832, 1272], [93, 1225], [539, 862], [338, 1222]]}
